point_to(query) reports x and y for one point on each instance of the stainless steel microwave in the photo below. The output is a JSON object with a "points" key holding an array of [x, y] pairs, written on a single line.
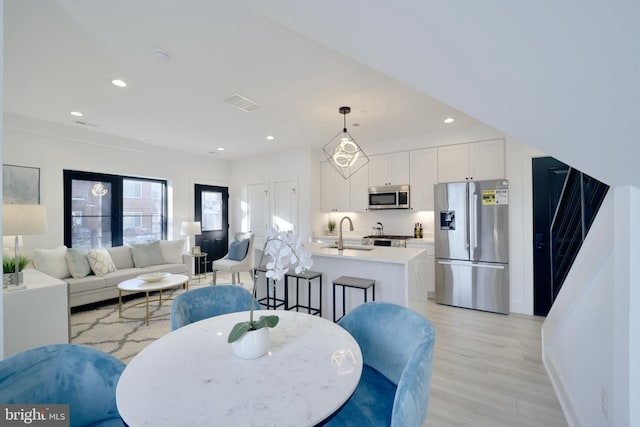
{"points": [[389, 197]]}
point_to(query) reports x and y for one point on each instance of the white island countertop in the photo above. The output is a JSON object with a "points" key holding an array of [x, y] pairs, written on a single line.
{"points": [[400, 274], [366, 253]]}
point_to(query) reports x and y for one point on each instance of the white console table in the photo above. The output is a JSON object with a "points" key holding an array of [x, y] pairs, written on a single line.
{"points": [[37, 315]]}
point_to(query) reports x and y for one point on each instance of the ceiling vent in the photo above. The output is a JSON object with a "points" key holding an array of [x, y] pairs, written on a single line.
{"points": [[243, 103]]}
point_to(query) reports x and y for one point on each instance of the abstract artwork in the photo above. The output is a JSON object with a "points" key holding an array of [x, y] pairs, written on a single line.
{"points": [[20, 185]]}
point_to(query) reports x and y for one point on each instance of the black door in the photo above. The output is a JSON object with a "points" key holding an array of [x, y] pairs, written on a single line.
{"points": [[212, 210], [548, 179]]}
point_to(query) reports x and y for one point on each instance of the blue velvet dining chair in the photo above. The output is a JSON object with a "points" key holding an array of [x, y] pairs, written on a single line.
{"points": [[210, 301], [397, 352], [82, 377]]}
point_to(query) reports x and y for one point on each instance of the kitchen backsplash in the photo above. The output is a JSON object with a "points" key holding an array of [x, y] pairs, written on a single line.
{"points": [[394, 221]]}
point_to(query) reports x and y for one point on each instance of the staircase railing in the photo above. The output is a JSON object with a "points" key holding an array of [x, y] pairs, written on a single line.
{"points": [[581, 198]]}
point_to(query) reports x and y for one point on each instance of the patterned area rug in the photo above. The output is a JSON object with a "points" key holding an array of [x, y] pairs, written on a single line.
{"points": [[99, 326]]}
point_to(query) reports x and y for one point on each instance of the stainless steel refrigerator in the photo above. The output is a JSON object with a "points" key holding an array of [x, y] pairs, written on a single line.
{"points": [[472, 244]]}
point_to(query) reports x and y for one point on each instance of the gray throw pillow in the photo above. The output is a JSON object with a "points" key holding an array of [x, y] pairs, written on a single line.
{"points": [[147, 254], [78, 262]]}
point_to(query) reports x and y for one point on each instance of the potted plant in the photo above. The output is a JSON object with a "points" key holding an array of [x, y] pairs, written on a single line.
{"points": [[9, 268], [284, 251], [331, 225]]}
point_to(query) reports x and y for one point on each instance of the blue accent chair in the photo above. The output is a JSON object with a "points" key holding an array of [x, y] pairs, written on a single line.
{"points": [[82, 377], [208, 302], [397, 351]]}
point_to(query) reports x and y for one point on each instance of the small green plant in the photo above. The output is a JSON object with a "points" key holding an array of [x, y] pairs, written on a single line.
{"points": [[9, 264], [331, 224]]}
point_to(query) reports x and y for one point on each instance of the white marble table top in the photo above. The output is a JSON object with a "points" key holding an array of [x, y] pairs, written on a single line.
{"points": [[139, 285], [190, 377]]}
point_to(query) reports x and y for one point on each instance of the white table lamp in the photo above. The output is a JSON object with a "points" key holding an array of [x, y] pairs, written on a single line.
{"points": [[20, 220], [190, 229]]}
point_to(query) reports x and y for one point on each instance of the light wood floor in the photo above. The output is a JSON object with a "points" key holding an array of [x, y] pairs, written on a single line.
{"points": [[488, 371]]}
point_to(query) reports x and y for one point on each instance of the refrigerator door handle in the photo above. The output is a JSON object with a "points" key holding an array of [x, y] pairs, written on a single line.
{"points": [[474, 211], [467, 224], [471, 264]]}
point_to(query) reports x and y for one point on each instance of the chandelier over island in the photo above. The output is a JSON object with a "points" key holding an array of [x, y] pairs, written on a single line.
{"points": [[343, 152]]}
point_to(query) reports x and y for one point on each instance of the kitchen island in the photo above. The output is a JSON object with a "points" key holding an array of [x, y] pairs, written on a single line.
{"points": [[399, 273]]}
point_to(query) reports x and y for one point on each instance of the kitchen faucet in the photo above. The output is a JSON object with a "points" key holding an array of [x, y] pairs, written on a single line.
{"points": [[340, 243], [379, 228]]}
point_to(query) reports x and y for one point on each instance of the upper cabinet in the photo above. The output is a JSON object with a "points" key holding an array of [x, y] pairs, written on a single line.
{"points": [[344, 195], [424, 174], [473, 161], [389, 169], [359, 184], [335, 191]]}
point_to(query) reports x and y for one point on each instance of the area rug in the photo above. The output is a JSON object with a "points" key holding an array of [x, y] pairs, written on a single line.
{"points": [[99, 326]]}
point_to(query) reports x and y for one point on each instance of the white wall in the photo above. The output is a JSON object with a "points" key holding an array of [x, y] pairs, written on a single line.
{"points": [[299, 165], [578, 346], [52, 148]]}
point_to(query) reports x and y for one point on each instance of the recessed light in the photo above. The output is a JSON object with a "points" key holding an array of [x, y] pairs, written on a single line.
{"points": [[220, 148], [77, 113], [449, 120], [119, 83], [271, 137]]}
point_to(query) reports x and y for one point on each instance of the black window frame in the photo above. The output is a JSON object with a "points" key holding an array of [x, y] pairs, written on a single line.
{"points": [[117, 184]]}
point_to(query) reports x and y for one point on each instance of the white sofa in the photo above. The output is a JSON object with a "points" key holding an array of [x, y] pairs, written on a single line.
{"points": [[94, 284]]}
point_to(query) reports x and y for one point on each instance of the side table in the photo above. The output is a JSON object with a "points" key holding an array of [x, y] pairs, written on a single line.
{"points": [[198, 267], [37, 315]]}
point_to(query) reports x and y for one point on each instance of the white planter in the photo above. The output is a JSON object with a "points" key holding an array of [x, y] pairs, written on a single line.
{"points": [[252, 344]]}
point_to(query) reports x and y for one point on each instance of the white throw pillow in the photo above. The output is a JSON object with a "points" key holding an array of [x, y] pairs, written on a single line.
{"points": [[172, 251], [52, 262], [100, 261]]}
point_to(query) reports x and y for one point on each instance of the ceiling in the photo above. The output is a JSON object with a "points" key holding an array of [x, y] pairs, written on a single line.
{"points": [[61, 56]]}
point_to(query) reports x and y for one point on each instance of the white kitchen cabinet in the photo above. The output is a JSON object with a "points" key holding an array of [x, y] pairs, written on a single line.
{"points": [[389, 169], [424, 174], [359, 186], [335, 190], [427, 267], [36, 315], [473, 161]]}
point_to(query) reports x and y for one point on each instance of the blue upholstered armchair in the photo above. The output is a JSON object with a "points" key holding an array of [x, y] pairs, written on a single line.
{"points": [[397, 351], [82, 377], [207, 302]]}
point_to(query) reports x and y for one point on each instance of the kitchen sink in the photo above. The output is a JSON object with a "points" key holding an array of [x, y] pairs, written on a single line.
{"points": [[352, 247]]}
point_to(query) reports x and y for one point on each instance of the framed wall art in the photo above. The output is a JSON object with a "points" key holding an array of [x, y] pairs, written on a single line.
{"points": [[20, 185]]}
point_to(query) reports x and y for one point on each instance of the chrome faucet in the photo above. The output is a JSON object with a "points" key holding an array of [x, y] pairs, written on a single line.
{"points": [[340, 242], [379, 228]]}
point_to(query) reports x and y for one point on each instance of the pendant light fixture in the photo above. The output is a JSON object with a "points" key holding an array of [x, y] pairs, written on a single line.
{"points": [[343, 152]]}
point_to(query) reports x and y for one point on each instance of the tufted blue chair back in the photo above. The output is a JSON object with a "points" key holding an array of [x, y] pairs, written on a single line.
{"points": [[208, 302], [82, 377], [397, 351]]}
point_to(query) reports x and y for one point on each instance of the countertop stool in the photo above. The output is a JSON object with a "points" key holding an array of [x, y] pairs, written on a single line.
{"points": [[351, 282], [272, 302], [308, 276]]}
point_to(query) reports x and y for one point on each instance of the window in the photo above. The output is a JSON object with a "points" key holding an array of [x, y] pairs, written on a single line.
{"points": [[110, 210], [211, 211], [132, 189]]}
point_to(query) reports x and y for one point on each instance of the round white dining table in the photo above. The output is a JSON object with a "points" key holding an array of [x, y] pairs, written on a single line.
{"points": [[190, 377]]}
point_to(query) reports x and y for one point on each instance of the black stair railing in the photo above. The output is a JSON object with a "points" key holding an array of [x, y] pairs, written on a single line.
{"points": [[581, 198]]}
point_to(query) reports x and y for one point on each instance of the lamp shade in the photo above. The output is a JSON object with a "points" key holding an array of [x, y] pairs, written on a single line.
{"points": [[24, 219], [190, 228]]}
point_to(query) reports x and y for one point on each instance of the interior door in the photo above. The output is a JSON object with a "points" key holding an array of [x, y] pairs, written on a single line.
{"points": [[285, 206], [548, 179], [212, 210]]}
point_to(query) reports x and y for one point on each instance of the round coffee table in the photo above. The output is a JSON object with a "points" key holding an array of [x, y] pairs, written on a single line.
{"points": [[139, 285]]}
